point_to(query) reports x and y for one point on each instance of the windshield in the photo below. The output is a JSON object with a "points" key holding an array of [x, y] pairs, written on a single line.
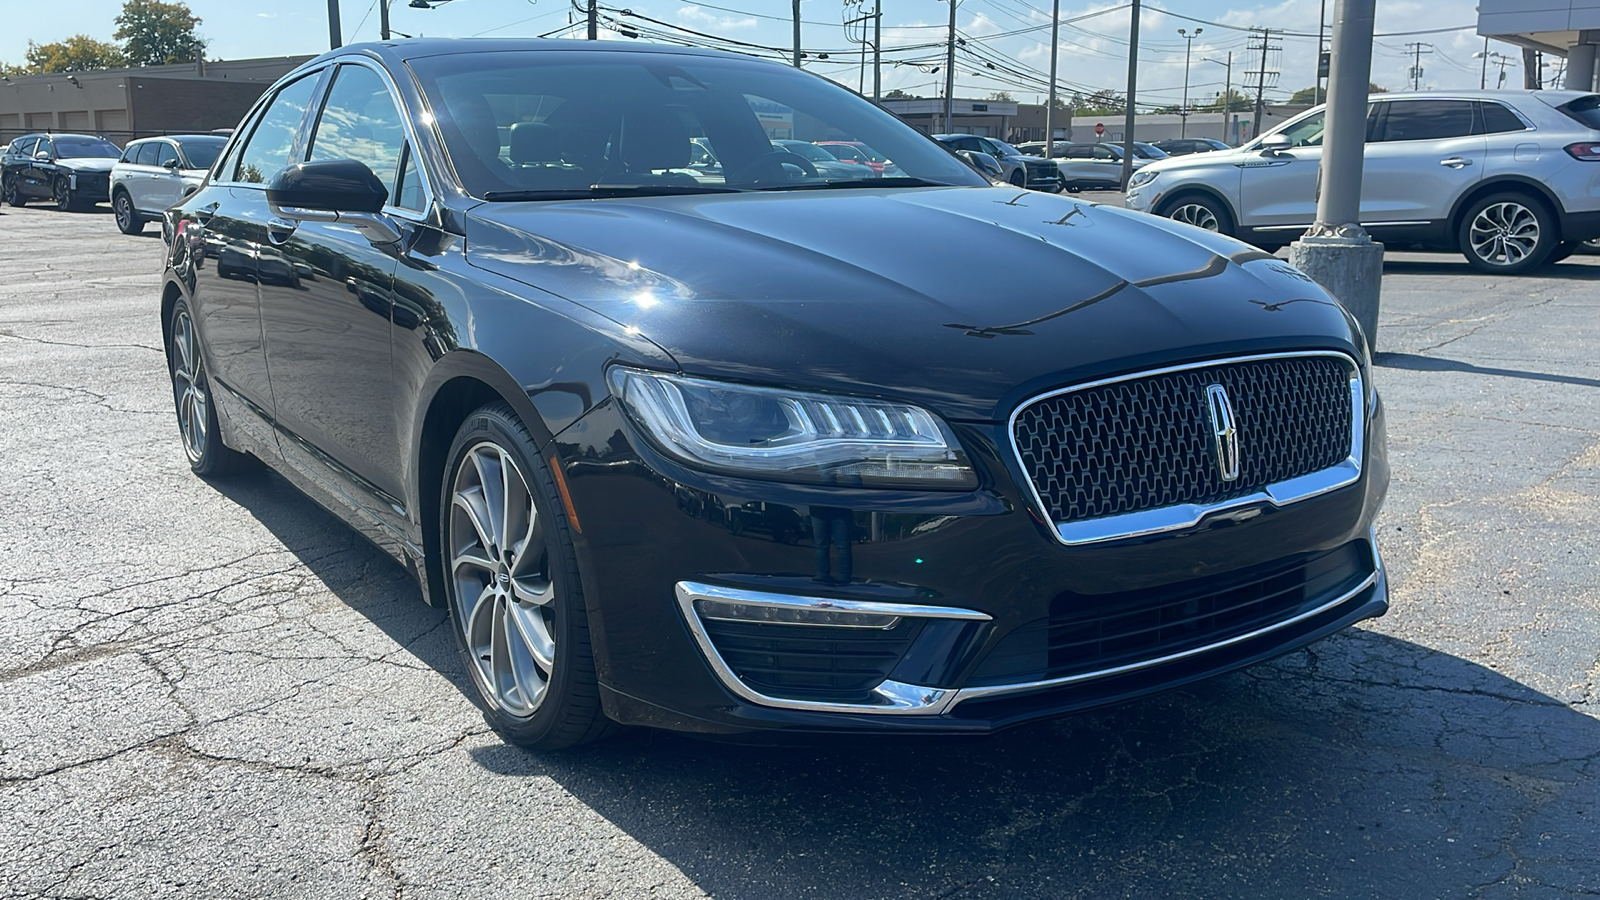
{"points": [[548, 123], [201, 152], [85, 148]]}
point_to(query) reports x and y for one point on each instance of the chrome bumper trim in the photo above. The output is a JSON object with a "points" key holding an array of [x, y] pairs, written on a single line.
{"points": [[889, 697], [1187, 515]]}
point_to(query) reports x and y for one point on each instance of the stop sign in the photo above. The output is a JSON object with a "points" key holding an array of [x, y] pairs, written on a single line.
{"points": [[1099, 128]]}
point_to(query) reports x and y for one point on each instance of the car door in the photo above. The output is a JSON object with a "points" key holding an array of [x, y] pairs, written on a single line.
{"points": [[38, 178], [1422, 156], [1077, 165], [1107, 164], [1279, 191], [232, 230], [17, 160], [326, 301], [163, 183], [138, 181]]}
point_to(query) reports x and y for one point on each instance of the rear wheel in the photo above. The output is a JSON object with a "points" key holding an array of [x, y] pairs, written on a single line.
{"points": [[11, 193], [1200, 211], [516, 599], [191, 396], [1508, 234], [128, 219]]}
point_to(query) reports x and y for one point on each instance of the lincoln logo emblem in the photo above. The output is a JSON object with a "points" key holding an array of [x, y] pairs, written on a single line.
{"points": [[1224, 432]]}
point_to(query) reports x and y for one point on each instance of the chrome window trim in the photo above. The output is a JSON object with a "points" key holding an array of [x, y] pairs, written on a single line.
{"points": [[1378, 579], [1187, 515], [1527, 124], [889, 697], [252, 120]]}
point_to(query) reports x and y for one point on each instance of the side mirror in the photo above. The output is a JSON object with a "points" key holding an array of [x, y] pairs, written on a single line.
{"points": [[1273, 144], [171, 164], [983, 162], [334, 190], [42, 156]]}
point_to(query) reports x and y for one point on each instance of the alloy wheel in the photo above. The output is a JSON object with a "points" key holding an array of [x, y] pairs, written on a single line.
{"points": [[124, 211], [1504, 233], [189, 386], [62, 195], [1197, 214], [500, 579]]}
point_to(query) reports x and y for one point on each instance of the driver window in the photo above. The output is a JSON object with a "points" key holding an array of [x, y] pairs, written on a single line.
{"points": [[360, 122], [1101, 151], [165, 153], [45, 147], [1306, 132]]}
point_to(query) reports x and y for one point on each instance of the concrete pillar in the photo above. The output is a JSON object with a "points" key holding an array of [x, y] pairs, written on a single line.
{"points": [[1580, 68]]}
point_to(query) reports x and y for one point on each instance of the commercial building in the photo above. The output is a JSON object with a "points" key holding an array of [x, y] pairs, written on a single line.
{"points": [[123, 104], [1018, 122], [1569, 28]]}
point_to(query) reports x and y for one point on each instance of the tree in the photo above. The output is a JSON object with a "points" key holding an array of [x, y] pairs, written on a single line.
{"points": [[1100, 103], [78, 53], [1310, 95], [1236, 102], [898, 94], [157, 33], [1002, 97]]}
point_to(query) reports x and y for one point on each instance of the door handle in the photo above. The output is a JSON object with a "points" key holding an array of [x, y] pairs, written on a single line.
{"points": [[1455, 162], [203, 214], [280, 230]]}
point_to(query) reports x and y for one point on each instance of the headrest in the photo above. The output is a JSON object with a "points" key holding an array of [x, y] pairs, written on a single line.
{"points": [[535, 142], [654, 139]]}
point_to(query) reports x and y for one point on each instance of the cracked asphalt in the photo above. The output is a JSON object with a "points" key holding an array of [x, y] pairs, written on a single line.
{"points": [[215, 690]]}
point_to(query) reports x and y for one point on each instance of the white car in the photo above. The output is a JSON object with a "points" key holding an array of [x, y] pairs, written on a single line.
{"points": [[155, 173], [1510, 179]]}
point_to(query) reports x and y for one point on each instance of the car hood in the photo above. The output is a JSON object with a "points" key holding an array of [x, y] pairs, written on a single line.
{"points": [[964, 299], [86, 164], [1207, 159]]}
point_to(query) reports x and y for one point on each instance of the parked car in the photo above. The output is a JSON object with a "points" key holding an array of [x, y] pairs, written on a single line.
{"points": [[826, 164], [1024, 171], [1091, 167], [1509, 179], [154, 173], [70, 170], [537, 391], [1185, 146], [862, 154]]}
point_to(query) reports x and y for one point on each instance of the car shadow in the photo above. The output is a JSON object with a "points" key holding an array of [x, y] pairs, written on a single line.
{"points": [[1577, 267], [1418, 363], [1365, 765]]}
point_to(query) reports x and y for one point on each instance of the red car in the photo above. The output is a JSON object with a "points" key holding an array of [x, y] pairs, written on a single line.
{"points": [[859, 154]]}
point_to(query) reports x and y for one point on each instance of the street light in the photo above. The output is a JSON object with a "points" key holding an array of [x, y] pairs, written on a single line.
{"points": [[1188, 46]]}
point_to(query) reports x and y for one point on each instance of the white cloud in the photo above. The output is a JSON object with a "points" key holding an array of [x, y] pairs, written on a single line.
{"points": [[710, 20]]}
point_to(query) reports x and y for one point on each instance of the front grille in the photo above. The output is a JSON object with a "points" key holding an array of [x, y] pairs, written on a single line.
{"points": [[1147, 443], [811, 662], [1095, 633]]}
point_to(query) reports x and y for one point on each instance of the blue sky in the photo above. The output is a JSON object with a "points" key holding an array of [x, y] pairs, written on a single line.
{"points": [[1093, 52]]}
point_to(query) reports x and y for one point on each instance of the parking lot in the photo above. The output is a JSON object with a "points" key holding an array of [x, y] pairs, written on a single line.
{"points": [[217, 690]]}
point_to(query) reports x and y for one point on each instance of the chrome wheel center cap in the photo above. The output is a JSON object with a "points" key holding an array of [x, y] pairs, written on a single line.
{"points": [[503, 578]]}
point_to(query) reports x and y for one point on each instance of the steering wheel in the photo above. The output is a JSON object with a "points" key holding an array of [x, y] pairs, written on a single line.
{"points": [[769, 167]]}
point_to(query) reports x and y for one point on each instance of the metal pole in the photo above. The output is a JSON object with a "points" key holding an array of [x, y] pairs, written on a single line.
{"points": [[383, 20], [594, 20], [1050, 102], [1133, 90], [796, 33], [1261, 82], [1183, 110], [1483, 76], [950, 75], [877, 52], [1227, 101], [1316, 83], [335, 40]]}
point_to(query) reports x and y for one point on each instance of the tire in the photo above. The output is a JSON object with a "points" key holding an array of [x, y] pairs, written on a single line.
{"points": [[128, 219], [1507, 233], [61, 195], [1201, 211], [12, 194], [191, 399], [518, 611], [1018, 179]]}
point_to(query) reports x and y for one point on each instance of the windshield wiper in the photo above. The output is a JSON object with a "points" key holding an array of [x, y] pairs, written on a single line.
{"points": [[609, 190], [889, 181]]}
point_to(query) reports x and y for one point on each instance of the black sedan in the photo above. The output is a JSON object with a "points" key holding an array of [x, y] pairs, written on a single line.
{"points": [[71, 171], [776, 451]]}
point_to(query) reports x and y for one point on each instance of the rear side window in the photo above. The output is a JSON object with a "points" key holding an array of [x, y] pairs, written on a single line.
{"points": [[1427, 120], [1584, 109], [147, 153], [270, 148], [1497, 119]]}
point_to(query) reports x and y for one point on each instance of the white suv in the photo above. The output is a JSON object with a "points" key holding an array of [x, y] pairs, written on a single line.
{"points": [[1510, 179], [155, 173]]}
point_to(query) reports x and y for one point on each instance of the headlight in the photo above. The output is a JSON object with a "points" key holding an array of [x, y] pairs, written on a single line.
{"points": [[791, 435], [1143, 176]]}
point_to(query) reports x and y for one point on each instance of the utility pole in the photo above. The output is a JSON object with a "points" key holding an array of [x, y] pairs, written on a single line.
{"points": [[1050, 102], [1227, 96], [594, 20], [1322, 24], [796, 32], [1337, 252], [383, 20], [1483, 76], [877, 52], [1530, 69], [1416, 66], [1133, 91], [1183, 111], [335, 40], [1261, 77], [950, 75]]}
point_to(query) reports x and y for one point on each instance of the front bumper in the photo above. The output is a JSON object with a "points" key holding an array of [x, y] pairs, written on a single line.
{"points": [[982, 588]]}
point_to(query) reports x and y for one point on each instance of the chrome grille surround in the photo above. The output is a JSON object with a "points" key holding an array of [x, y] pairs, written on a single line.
{"points": [[1175, 516]]}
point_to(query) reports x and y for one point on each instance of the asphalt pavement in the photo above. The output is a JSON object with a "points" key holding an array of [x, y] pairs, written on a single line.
{"points": [[215, 690]]}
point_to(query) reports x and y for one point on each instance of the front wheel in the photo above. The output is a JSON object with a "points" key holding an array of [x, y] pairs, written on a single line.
{"points": [[63, 196], [1019, 180], [515, 595], [1508, 234], [128, 219], [1202, 212]]}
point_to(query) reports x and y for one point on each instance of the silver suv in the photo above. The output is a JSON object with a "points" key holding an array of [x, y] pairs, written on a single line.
{"points": [[155, 173], [1510, 179]]}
